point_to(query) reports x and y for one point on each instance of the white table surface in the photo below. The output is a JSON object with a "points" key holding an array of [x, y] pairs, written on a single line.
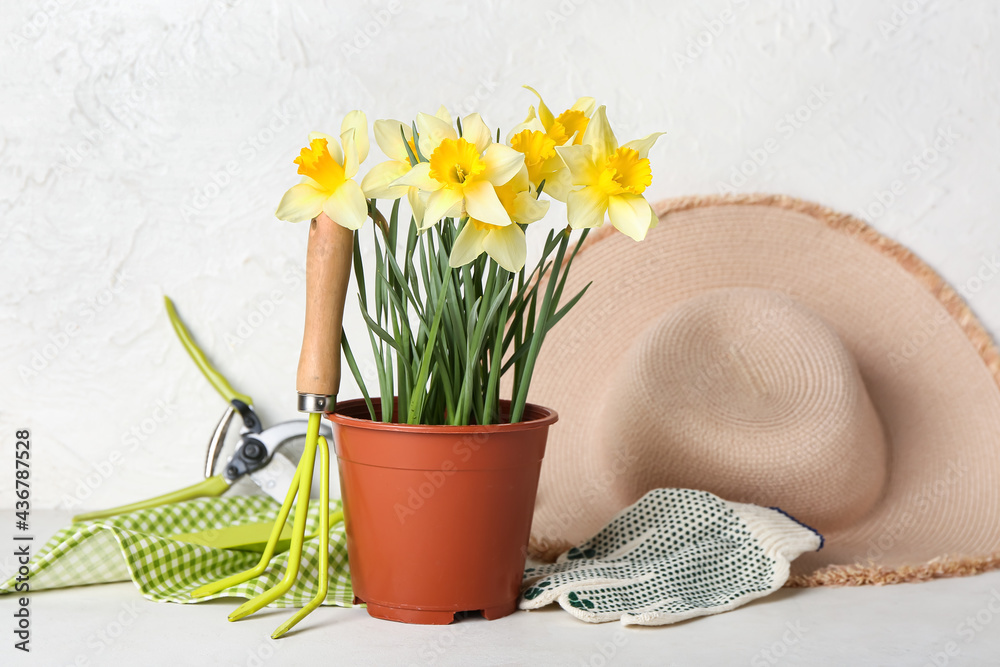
{"points": [[912, 624]]}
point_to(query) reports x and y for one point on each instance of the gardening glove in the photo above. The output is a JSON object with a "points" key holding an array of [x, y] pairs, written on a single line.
{"points": [[673, 555], [146, 547]]}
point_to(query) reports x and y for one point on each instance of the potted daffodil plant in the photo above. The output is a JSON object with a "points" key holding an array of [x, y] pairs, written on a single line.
{"points": [[439, 463]]}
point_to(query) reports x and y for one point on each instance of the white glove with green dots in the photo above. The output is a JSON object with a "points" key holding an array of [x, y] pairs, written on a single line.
{"points": [[673, 555]]}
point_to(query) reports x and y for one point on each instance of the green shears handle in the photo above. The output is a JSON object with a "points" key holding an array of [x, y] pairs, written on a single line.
{"points": [[207, 488], [214, 377], [211, 486]]}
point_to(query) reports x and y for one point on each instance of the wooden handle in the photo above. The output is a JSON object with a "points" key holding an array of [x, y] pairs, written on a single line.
{"points": [[328, 269]]}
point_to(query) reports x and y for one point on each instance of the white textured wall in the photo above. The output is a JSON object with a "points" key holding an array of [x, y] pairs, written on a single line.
{"points": [[145, 145]]}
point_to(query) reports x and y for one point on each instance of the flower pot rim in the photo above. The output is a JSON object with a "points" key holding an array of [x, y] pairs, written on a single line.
{"points": [[345, 414]]}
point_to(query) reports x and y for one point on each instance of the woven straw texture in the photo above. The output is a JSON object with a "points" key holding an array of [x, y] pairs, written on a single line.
{"points": [[927, 366]]}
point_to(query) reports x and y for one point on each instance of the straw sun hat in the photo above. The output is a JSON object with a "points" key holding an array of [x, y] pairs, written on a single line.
{"points": [[775, 352]]}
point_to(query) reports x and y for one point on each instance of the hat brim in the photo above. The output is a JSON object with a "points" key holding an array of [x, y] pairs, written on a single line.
{"points": [[929, 366]]}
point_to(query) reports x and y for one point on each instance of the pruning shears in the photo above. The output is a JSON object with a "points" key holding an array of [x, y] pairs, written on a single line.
{"points": [[257, 455]]}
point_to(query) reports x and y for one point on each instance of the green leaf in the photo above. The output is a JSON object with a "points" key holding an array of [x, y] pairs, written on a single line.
{"points": [[379, 269], [374, 327], [518, 403], [569, 305], [416, 143], [393, 228], [359, 271], [414, 415], [358, 378], [409, 153], [567, 264], [400, 285], [379, 363], [411, 244], [492, 386]]}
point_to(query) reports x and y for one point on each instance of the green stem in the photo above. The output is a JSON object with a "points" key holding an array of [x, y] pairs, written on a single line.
{"points": [[517, 407], [496, 360], [419, 387]]}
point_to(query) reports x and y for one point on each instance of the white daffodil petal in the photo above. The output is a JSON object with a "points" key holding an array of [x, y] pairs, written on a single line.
{"points": [[332, 145], [309, 181], [543, 111], [301, 202], [507, 247], [630, 214], [502, 162], [527, 209], [557, 184], [417, 204], [482, 203], [531, 123], [357, 121], [377, 183], [643, 145], [599, 135], [585, 104], [443, 114], [586, 208], [347, 206], [351, 158], [389, 137], [420, 177], [432, 131], [319, 135], [445, 203], [579, 162], [468, 245], [519, 181], [474, 131]]}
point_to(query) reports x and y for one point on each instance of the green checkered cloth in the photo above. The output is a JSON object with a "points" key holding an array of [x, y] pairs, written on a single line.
{"points": [[135, 546]]}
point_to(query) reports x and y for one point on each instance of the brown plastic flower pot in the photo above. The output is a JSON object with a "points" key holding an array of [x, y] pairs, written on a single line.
{"points": [[437, 517]]}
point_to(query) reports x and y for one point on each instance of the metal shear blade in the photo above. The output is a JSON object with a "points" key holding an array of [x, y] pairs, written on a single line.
{"points": [[258, 457]]}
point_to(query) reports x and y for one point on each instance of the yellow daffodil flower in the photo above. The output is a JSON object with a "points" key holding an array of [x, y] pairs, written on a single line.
{"points": [[396, 141], [612, 177], [389, 135], [538, 136], [570, 124], [504, 243], [541, 160], [328, 168], [461, 173]]}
